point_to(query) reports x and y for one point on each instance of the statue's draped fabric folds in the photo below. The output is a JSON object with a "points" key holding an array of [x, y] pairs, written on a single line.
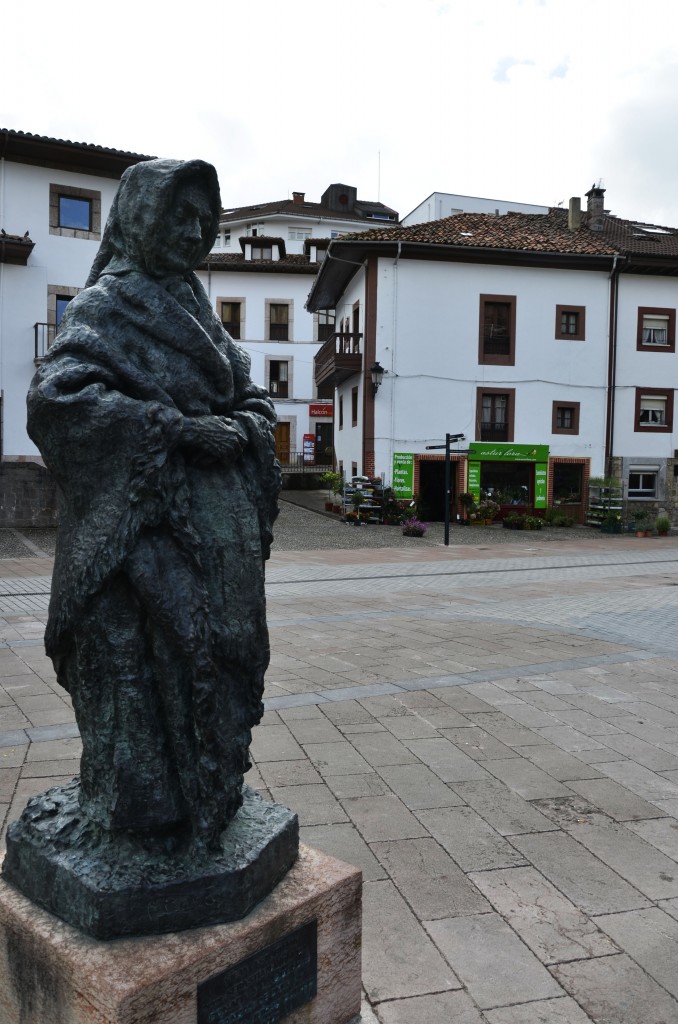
{"points": [[162, 448]]}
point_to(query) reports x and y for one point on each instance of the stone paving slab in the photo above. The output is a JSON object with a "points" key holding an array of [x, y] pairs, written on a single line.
{"points": [[493, 740]]}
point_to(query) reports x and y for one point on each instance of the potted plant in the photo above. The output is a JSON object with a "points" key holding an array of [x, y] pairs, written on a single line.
{"points": [[662, 525], [487, 510], [532, 523], [514, 521], [332, 481], [413, 527], [611, 523], [642, 518]]}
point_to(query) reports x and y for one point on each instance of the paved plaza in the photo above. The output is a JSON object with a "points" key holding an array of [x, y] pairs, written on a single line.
{"points": [[489, 731]]}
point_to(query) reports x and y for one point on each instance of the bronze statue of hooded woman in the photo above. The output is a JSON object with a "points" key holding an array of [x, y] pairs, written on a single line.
{"points": [[163, 451]]}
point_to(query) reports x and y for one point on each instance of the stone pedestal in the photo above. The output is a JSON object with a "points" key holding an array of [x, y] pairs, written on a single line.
{"points": [[49, 972]]}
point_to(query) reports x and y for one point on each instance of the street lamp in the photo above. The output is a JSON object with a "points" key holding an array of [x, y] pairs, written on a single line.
{"points": [[377, 372]]}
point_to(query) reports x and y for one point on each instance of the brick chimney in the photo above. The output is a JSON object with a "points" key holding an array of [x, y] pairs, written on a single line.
{"points": [[595, 208], [574, 214], [298, 198]]}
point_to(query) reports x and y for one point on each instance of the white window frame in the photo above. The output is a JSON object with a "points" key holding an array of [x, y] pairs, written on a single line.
{"points": [[643, 493], [655, 407]]}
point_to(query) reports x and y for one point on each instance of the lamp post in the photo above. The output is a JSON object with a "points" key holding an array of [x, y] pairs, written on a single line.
{"points": [[449, 438]]}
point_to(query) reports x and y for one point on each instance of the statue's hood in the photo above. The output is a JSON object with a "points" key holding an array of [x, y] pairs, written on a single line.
{"points": [[144, 199]]}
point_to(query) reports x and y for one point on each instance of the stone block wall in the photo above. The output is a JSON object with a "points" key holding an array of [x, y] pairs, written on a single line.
{"points": [[27, 496]]}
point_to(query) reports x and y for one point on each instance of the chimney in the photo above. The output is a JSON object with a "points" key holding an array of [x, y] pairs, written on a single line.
{"points": [[298, 198], [595, 208], [574, 214]]}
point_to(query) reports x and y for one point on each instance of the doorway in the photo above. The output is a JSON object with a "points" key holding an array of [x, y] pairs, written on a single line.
{"points": [[323, 443], [282, 443], [432, 490]]}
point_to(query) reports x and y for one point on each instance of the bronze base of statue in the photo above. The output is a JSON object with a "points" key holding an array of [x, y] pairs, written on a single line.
{"points": [[113, 883]]}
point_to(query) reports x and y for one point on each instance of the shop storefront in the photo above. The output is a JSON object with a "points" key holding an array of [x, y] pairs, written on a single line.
{"points": [[513, 475]]}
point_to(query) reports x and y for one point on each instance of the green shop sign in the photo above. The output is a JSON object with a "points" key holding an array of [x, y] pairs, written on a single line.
{"points": [[505, 452], [488, 451], [403, 474]]}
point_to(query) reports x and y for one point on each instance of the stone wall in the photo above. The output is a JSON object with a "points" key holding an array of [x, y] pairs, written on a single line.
{"points": [[27, 495]]}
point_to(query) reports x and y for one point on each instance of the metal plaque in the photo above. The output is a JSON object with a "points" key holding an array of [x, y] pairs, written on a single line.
{"points": [[266, 986]]}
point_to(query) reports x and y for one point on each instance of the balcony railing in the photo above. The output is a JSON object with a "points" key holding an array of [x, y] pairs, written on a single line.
{"points": [[291, 461], [44, 337], [496, 344], [493, 431], [338, 359]]}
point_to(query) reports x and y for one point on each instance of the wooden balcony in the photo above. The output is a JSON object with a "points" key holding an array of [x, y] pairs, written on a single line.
{"points": [[338, 359]]}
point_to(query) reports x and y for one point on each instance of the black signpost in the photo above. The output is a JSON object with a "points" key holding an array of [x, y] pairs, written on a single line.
{"points": [[449, 438]]}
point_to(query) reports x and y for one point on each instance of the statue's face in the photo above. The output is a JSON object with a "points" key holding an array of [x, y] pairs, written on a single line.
{"points": [[183, 234]]}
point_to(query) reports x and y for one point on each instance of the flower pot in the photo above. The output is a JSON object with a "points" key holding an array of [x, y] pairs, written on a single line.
{"points": [[328, 506]]}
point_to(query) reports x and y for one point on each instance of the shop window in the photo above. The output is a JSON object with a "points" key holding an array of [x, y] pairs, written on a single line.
{"points": [[656, 330], [497, 329], [643, 482], [570, 323], [654, 410], [341, 412], [279, 322], [231, 313], [494, 414], [278, 378], [565, 418], [508, 483], [567, 480], [354, 407]]}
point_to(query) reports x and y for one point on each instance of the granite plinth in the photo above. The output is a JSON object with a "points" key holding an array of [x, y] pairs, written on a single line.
{"points": [[111, 885], [49, 971]]}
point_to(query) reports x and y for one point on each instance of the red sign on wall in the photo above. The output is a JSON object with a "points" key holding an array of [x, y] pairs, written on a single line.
{"points": [[320, 410]]}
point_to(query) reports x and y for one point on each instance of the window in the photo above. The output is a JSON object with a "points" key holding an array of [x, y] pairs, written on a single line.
{"points": [[279, 324], [354, 407], [494, 413], [568, 481], [255, 228], [298, 235], [565, 418], [341, 412], [497, 329], [654, 410], [74, 212], [326, 324], [262, 252], [227, 237], [231, 318], [570, 323], [278, 378], [61, 303], [656, 330], [643, 482]]}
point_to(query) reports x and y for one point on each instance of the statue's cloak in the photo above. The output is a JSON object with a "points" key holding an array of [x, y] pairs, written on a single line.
{"points": [[157, 617]]}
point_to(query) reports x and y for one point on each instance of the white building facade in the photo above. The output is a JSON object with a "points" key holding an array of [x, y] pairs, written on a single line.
{"points": [[445, 204], [549, 343]]}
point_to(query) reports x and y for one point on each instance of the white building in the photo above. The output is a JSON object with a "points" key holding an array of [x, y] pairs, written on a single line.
{"points": [[548, 339], [258, 275], [444, 204], [55, 197], [54, 200]]}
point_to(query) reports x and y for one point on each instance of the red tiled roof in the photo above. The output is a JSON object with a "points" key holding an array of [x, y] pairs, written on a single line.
{"points": [[289, 208], [295, 264], [534, 232]]}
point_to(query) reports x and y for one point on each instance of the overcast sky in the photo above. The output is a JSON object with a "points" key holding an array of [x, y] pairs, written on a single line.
{"points": [[527, 100]]}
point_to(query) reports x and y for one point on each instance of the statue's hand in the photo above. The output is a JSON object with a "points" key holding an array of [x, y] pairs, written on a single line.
{"points": [[212, 439]]}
